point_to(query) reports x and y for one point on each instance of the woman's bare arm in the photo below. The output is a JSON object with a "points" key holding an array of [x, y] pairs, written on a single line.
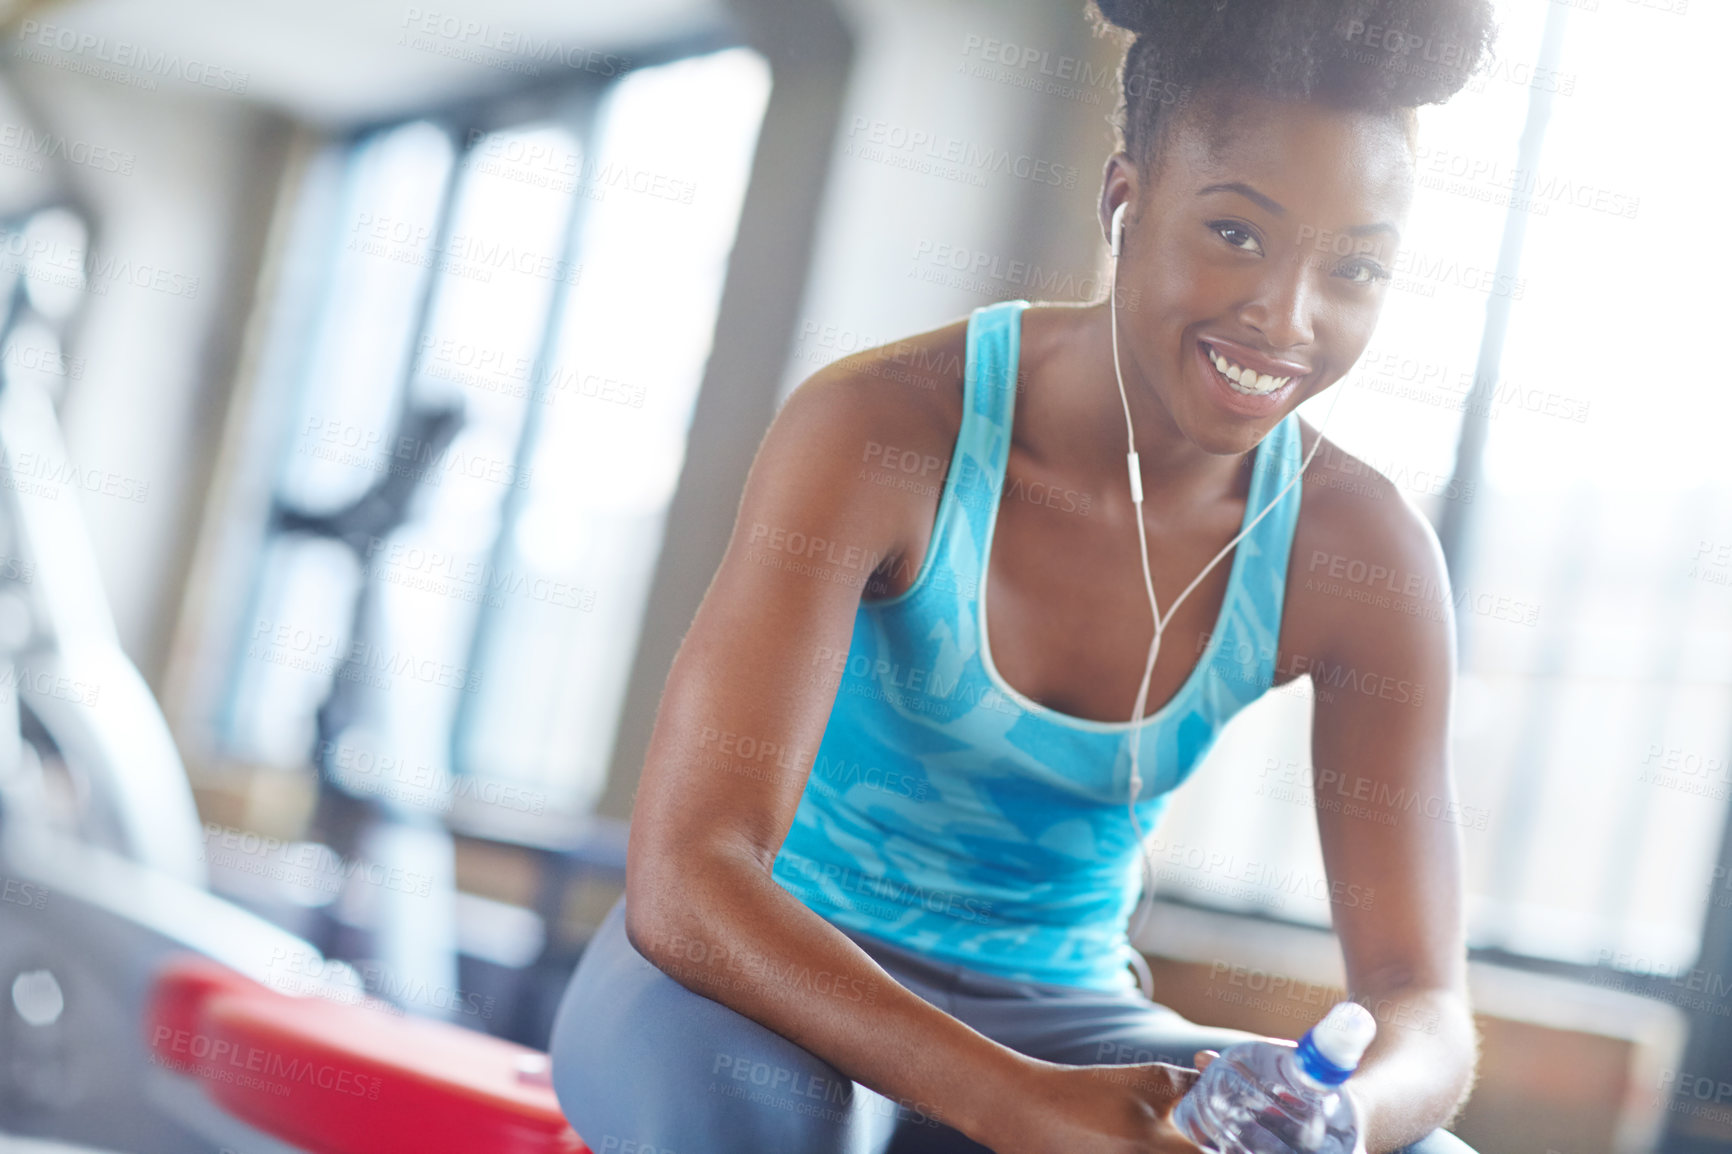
{"points": [[744, 708], [1373, 587]]}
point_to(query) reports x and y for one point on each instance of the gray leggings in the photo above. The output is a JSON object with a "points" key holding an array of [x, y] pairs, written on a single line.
{"points": [[643, 1065]]}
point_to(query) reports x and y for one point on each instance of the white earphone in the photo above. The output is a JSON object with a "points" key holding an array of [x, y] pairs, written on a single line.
{"points": [[1136, 481]]}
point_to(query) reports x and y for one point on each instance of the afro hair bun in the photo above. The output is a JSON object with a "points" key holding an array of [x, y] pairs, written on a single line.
{"points": [[1373, 54], [1131, 15]]}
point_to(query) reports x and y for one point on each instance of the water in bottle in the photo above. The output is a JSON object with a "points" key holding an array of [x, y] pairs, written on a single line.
{"points": [[1266, 1098]]}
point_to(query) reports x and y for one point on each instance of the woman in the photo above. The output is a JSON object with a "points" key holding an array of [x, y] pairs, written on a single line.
{"points": [[880, 869]]}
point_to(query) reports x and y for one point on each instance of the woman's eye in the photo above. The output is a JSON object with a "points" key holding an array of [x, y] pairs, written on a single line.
{"points": [[1363, 272], [1237, 235]]}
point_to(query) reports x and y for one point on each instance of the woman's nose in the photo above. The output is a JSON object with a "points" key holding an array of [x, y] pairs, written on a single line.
{"points": [[1281, 309]]}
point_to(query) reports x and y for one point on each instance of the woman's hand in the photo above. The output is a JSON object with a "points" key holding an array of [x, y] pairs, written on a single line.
{"points": [[1098, 1110]]}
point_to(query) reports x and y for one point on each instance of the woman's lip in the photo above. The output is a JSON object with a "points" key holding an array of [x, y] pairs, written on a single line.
{"points": [[1243, 404], [1249, 358]]}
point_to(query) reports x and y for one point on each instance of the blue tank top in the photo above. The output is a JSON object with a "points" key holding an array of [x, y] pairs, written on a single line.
{"points": [[949, 814]]}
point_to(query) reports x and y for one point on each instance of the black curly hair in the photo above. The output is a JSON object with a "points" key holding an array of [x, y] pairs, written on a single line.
{"points": [[1370, 55]]}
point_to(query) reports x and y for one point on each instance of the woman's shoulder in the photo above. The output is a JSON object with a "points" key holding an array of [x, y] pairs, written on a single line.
{"points": [[1364, 555], [899, 398]]}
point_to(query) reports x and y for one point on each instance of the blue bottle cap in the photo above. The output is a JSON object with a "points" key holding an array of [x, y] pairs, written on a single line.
{"points": [[1330, 1050]]}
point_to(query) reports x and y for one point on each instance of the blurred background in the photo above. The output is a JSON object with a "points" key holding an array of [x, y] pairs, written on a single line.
{"points": [[377, 383]]}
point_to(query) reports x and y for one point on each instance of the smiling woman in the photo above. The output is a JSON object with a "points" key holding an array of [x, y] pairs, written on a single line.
{"points": [[1273, 198], [881, 867]]}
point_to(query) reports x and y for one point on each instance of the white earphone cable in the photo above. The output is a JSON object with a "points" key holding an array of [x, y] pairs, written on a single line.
{"points": [[1134, 736]]}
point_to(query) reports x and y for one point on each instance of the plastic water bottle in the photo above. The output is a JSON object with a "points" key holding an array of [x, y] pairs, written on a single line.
{"points": [[1264, 1098]]}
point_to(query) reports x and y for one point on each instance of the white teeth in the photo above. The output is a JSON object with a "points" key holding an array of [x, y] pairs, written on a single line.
{"points": [[1245, 380]]}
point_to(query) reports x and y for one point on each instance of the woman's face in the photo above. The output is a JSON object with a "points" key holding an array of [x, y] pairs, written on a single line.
{"points": [[1268, 250]]}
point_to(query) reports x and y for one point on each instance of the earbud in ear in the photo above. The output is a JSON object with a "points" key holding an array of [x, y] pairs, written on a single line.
{"points": [[1119, 227]]}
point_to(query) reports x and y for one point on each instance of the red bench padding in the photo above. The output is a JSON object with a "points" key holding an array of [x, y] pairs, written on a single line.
{"points": [[349, 1079]]}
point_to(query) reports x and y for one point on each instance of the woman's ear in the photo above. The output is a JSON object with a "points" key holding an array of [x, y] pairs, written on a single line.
{"points": [[1118, 189]]}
